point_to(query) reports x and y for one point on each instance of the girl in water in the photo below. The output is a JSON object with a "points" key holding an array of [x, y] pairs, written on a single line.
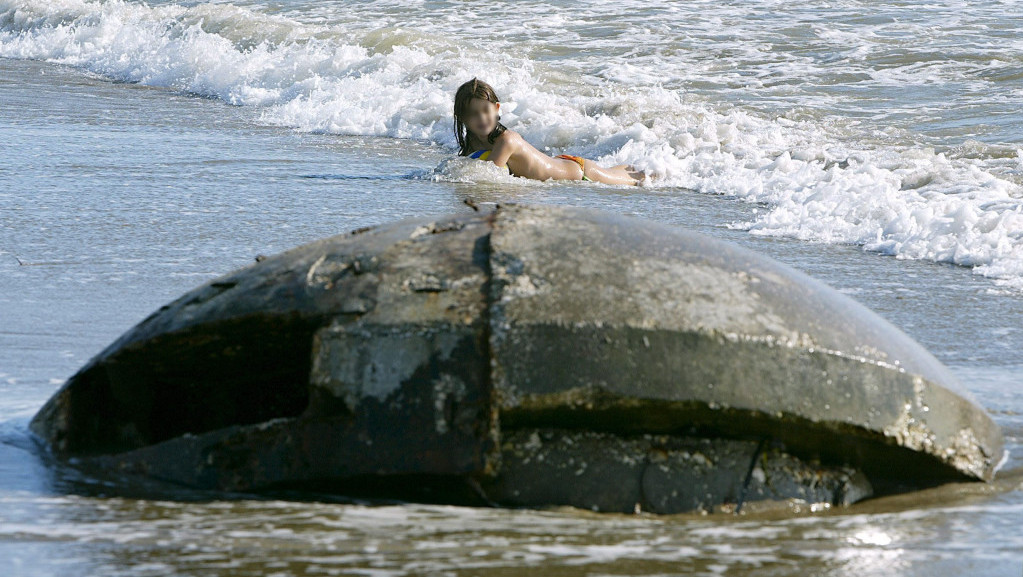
{"points": [[481, 135]]}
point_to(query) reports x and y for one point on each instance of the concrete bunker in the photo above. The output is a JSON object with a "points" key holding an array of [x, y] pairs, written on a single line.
{"points": [[528, 356]]}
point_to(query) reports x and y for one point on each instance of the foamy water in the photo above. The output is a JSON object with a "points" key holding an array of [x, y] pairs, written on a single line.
{"points": [[895, 128]]}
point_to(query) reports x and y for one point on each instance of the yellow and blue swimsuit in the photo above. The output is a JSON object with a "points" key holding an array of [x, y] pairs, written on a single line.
{"points": [[485, 155]]}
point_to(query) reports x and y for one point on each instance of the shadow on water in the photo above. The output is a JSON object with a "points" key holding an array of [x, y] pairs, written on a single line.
{"points": [[418, 174], [390, 177]]}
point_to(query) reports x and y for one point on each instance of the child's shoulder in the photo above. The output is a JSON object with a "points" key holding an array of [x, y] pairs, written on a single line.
{"points": [[508, 136]]}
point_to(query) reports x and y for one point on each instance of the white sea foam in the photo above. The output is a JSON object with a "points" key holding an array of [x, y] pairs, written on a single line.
{"points": [[812, 176], [462, 169]]}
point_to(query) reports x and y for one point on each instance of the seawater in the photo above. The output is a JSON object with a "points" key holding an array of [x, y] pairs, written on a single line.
{"points": [[894, 127], [148, 148]]}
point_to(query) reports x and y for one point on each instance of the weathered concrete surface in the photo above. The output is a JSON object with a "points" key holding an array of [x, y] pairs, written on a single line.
{"points": [[659, 473], [259, 362], [598, 314], [437, 349]]}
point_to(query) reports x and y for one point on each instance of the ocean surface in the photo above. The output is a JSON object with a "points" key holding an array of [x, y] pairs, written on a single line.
{"points": [[146, 148]]}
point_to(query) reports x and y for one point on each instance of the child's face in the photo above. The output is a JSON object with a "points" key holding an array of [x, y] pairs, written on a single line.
{"points": [[481, 116]]}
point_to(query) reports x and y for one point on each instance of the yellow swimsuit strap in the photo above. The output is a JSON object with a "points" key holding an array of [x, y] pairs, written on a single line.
{"points": [[483, 155]]}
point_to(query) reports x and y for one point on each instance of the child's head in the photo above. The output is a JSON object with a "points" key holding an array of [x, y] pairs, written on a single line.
{"points": [[476, 112]]}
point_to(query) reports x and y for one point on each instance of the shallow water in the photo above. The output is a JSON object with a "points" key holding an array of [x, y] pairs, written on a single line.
{"points": [[117, 197], [890, 126]]}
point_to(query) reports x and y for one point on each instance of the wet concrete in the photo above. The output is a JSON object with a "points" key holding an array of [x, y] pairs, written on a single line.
{"points": [[441, 348]]}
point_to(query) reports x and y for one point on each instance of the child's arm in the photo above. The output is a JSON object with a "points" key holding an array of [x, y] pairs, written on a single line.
{"points": [[504, 147]]}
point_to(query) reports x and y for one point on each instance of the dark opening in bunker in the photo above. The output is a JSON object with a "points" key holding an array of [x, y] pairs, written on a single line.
{"points": [[236, 372]]}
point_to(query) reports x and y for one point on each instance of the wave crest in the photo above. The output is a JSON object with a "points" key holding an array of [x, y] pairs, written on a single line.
{"points": [[820, 179]]}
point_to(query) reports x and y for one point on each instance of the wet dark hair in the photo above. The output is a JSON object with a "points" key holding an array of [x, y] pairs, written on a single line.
{"points": [[474, 88]]}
